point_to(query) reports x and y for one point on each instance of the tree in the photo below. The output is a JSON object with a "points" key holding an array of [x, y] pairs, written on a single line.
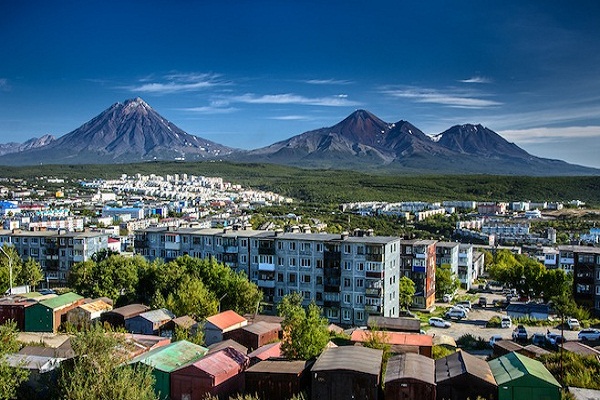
{"points": [[10, 378], [192, 298], [31, 273], [406, 292], [305, 332], [8, 260], [98, 373], [445, 281]]}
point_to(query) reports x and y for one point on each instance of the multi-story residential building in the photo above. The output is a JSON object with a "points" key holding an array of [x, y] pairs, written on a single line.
{"points": [[350, 276], [467, 271], [586, 274], [417, 261], [446, 253], [55, 251]]}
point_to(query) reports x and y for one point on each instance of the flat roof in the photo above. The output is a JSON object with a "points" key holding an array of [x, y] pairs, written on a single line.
{"points": [[172, 356], [394, 338], [280, 366]]}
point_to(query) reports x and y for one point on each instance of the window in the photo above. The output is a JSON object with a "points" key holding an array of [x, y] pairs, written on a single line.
{"points": [[33, 252], [360, 249], [305, 278], [304, 246], [320, 247], [280, 292], [292, 278], [360, 266], [347, 298], [333, 313], [279, 245], [408, 249], [244, 242], [279, 277], [254, 259], [319, 296], [346, 315], [347, 265], [292, 246], [347, 249], [347, 282], [292, 262], [319, 263], [360, 283], [208, 241], [307, 294], [319, 280], [360, 299], [255, 244], [360, 315], [305, 262], [280, 261], [243, 259]]}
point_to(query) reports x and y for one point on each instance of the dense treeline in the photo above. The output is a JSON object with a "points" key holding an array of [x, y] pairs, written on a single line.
{"points": [[334, 186], [186, 285]]}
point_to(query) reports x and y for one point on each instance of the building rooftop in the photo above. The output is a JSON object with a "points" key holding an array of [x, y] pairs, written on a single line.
{"points": [[280, 366], [221, 362], [461, 363], [513, 366], [350, 358], [226, 319], [64, 300], [411, 366], [172, 356], [394, 338]]}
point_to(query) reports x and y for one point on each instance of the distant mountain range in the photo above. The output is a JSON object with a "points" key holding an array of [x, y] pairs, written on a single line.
{"points": [[133, 132]]}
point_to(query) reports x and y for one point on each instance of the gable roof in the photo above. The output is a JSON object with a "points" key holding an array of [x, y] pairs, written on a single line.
{"points": [[461, 363], [221, 362], [64, 300], [394, 338], [227, 343], [350, 358], [258, 328], [411, 366], [513, 366], [160, 315], [129, 310], [172, 356], [394, 324], [267, 351], [226, 319]]}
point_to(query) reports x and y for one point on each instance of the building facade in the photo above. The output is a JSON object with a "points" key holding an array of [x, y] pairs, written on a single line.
{"points": [[349, 276], [417, 262]]}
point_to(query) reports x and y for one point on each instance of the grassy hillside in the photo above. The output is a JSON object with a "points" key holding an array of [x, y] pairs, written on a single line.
{"points": [[331, 186]]}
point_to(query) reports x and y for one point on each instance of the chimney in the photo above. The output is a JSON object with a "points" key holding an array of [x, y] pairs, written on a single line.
{"points": [[344, 235], [278, 232]]}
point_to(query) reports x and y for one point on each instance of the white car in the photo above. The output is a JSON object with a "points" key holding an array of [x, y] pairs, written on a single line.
{"points": [[494, 339], [505, 322], [589, 334], [438, 322], [462, 307], [573, 324]]}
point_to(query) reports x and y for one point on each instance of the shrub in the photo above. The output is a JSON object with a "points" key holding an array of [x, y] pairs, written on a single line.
{"points": [[494, 322]]}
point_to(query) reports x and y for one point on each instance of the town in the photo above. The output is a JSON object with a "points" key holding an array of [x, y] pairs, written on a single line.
{"points": [[422, 318]]}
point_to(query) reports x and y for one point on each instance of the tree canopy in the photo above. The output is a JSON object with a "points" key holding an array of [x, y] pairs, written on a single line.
{"points": [[445, 281], [10, 378], [305, 332], [23, 273], [406, 292]]}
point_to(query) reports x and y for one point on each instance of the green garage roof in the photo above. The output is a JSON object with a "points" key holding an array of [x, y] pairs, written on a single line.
{"points": [[513, 366], [172, 356], [61, 301]]}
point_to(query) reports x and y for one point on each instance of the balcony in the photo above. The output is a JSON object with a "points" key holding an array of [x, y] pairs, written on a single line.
{"points": [[373, 309], [78, 259], [263, 250], [332, 255], [374, 257], [270, 284], [373, 292], [331, 303], [566, 260], [420, 255], [375, 274], [230, 249], [266, 267], [332, 288], [172, 246]]}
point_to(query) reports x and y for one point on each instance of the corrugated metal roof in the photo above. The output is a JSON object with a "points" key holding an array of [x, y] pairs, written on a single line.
{"points": [[410, 365], [96, 305], [130, 310], [227, 343], [172, 356], [584, 394], [280, 366], [514, 365], [222, 362], [441, 339], [508, 345], [226, 319], [185, 321], [261, 327], [24, 361], [536, 350], [61, 301], [350, 358], [160, 315], [394, 338], [267, 351], [462, 363], [580, 348], [397, 324]]}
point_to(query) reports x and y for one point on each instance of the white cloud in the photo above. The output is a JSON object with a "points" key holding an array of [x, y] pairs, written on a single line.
{"points": [[545, 134], [4, 86], [476, 79], [210, 110], [290, 98], [291, 118], [178, 82], [450, 97], [328, 82]]}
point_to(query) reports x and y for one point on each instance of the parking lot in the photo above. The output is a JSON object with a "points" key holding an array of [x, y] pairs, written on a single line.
{"points": [[475, 323]]}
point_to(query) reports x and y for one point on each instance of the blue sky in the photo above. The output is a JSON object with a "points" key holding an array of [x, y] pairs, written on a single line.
{"points": [[247, 73]]}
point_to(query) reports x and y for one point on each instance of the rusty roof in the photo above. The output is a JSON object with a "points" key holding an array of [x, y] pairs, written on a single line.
{"points": [[172, 356], [350, 358], [227, 343], [226, 319], [461, 363], [129, 310], [221, 362], [393, 338], [267, 351]]}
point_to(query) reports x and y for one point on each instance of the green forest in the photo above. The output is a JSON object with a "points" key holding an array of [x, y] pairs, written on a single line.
{"points": [[336, 186]]}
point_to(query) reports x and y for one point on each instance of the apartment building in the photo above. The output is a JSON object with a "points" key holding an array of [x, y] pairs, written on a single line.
{"points": [[467, 270], [585, 264], [446, 253], [55, 251], [349, 276], [417, 261]]}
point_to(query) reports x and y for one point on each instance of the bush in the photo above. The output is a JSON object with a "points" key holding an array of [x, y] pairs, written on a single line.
{"points": [[494, 322], [470, 342], [534, 322], [438, 352]]}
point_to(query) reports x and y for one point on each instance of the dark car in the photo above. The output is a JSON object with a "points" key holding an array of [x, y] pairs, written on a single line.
{"points": [[520, 333], [539, 339]]}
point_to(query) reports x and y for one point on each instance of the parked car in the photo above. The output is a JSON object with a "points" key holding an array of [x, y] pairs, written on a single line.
{"points": [[538, 339], [44, 292], [456, 313], [438, 322], [520, 333], [482, 301], [461, 307], [465, 304], [589, 334], [494, 339], [554, 339], [506, 322], [447, 298], [573, 324]]}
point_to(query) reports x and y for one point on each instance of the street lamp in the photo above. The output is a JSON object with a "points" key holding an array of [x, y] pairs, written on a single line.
{"points": [[9, 269], [222, 297]]}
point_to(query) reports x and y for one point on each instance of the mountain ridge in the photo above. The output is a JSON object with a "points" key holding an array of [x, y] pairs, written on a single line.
{"points": [[133, 131]]}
